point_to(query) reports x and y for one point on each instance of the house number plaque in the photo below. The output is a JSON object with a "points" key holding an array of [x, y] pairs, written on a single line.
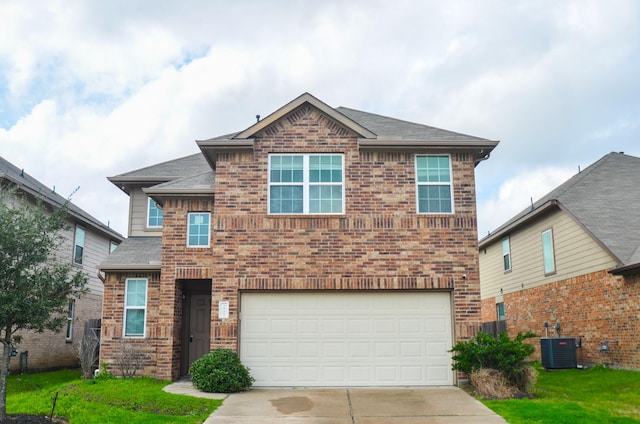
{"points": [[223, 309]]}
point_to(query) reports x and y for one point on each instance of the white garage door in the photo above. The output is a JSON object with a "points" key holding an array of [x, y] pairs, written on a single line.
{"points": [[347, 339]]}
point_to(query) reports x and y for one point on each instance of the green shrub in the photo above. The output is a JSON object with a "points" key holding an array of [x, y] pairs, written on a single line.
{"points": [[220, 371], [501, 353]]}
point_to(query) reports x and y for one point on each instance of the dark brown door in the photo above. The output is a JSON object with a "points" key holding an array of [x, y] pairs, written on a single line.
{"points": [[198, 327]]}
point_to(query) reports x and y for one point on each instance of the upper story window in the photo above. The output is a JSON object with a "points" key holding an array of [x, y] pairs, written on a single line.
{"points": [[548, 254], [135, 307], [506, 253], [78, 249], [434, 184], [198, 229], [154, 215], [113, 245], [306, 184]]}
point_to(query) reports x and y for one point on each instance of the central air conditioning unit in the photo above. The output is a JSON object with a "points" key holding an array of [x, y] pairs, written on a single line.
{"points": [[558, 352]]}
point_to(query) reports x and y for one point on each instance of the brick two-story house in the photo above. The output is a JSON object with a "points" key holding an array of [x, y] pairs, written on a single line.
{"points": [[86, 243], [328, 246]]}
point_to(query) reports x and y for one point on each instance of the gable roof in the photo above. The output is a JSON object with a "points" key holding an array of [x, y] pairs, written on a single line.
{"points": [[375, 132], [195, 174], [29, 185], [602, 198], [348, 123]]}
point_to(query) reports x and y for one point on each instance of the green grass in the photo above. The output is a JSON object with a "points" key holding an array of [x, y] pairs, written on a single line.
{"points": [[596, 395], [138, 400]]}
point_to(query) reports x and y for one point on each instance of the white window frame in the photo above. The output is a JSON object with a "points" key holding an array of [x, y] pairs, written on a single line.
{"points": [[79, 243], [136, 308], [306, 184], [439, 183], [71, 310], [506, 254], [189, 215], [548, 253], [149, 200], [113, 245]]}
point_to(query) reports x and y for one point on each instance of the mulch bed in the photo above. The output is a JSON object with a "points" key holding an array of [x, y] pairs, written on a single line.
{"points": [[32, 419]]}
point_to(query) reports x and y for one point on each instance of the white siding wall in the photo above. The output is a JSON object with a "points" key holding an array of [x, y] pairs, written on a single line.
{"points": [[576, 253]]}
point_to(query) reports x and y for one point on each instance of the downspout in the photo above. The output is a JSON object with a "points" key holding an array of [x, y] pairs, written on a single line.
{"points": [[101, 277]]}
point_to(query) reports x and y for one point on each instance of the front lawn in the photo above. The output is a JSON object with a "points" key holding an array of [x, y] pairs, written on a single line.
{"points": [[596, 395], [138, 400]]}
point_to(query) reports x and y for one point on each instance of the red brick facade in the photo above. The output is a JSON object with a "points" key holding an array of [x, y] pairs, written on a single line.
{"points": [[597, 306], [379, 243]]}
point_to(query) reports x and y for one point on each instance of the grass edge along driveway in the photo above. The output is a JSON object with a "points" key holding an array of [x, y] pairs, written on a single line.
{"points": [[595, 395], [137, 400]]}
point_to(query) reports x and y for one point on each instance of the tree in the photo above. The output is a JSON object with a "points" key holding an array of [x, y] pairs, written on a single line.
{"points": [[35, 286]]}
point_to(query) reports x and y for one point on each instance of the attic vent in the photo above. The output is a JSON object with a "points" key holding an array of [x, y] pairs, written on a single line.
{"points": [[257, 118]]}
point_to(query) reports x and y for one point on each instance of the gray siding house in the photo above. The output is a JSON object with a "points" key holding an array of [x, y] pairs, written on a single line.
{"points": [[87, 242]]}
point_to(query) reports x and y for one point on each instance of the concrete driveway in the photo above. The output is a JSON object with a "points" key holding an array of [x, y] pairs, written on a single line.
{"points": [[432, 405]]}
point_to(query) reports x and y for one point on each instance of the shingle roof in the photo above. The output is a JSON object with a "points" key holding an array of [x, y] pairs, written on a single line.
{"points": [[139, 253], [386, 127], [31, 186], [166, 171], [203, 181], [603, 198]]}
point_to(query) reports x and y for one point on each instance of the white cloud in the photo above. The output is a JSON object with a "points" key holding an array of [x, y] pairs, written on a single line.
{"points": [[106, 87], [516, 194]]}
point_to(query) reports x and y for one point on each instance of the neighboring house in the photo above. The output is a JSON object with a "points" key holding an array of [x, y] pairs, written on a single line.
{"points": [[329, 247], [573, 260], [87, 242]]}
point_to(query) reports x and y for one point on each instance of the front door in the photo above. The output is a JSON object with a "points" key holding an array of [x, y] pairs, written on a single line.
{"points": [[199, 326], [196, 322]]}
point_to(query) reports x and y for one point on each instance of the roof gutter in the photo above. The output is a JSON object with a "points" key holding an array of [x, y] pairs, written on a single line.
{"points": [[131, 267], [481, 149], [626, 270]]}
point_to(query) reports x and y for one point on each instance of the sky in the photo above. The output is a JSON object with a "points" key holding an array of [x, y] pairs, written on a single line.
{"points": [[91, 89]]}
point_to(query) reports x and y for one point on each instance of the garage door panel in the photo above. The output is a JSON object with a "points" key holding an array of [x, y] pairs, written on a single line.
{"points": [[384, 326], [308, 350], [307, 327], [356, 339], [334, 350], [360, 350]]}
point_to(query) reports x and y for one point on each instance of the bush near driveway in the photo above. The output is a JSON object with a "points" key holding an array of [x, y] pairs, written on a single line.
{"points": [[220, 371], [506, 355]]}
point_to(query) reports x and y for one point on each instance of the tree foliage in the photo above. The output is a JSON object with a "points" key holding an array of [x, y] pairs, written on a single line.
{"points": [[35, 286]]}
